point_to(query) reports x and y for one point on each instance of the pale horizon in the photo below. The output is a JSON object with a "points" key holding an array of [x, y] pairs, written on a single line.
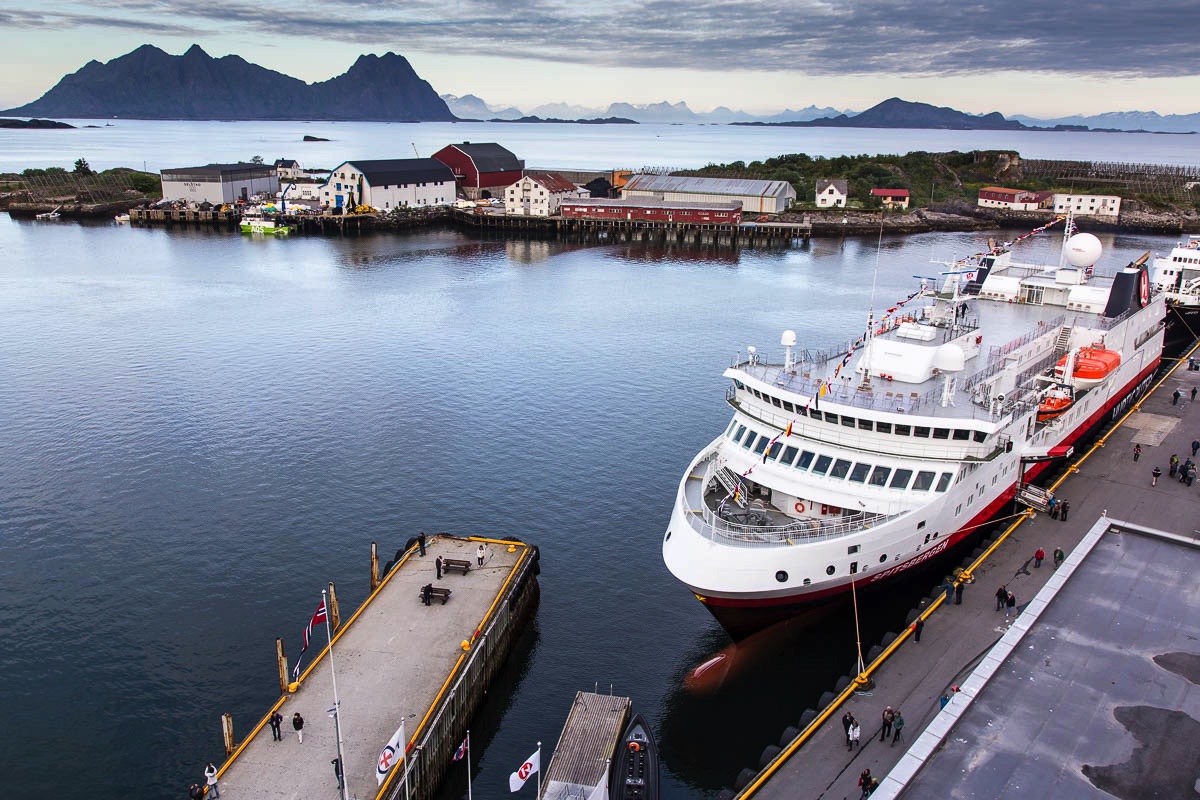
{"points": [[805, 54]]}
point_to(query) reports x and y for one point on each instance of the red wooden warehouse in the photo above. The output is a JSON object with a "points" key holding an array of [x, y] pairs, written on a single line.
{"points": [[482, 170], [650, 210]]}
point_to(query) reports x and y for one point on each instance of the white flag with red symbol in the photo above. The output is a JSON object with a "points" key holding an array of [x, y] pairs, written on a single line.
{"points": [[392, 752], [531, 765]]}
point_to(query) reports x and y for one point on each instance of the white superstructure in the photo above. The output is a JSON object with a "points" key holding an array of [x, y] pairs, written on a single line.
{"points": [[860, 463]]}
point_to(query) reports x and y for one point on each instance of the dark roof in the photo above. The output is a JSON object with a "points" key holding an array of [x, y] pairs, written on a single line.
{"points": [[552, 181], [220, 169], [286, 163], [650, 202], [490, 157], [392, 171]]}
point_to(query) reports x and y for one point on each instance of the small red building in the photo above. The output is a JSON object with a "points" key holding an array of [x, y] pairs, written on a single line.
{"points": [[651, 210], [892, 198], [482, 170]]}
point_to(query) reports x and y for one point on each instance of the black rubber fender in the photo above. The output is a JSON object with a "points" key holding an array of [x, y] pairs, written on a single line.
{"points": [[743, 779], [768, 755]]}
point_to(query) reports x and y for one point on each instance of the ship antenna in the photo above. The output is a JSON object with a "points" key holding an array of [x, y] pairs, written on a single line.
{"points": [[865, 365]]}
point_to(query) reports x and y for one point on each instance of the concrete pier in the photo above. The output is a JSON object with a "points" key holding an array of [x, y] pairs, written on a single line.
{"points": [[396, 659], [912, 676]]}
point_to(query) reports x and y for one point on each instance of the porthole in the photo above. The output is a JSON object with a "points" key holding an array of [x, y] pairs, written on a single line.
{"points": [[781, 576], [830, 570], [882, 558], [807, 581]]}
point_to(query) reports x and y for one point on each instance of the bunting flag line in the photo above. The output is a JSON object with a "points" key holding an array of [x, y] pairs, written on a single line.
{"points": [[318, 617]]}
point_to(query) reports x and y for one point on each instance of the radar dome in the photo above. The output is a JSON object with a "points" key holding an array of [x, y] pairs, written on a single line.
{"points": [[1083, 250], [949, 358], [788, 339]]}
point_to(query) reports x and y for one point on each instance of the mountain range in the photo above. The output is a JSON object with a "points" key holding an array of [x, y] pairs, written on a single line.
{"points": [[148, 83]]}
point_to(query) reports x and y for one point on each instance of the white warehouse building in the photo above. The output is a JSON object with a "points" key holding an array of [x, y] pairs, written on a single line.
{"points": [[390, 183], [1097, 205], [756, 197], [219, 183]]}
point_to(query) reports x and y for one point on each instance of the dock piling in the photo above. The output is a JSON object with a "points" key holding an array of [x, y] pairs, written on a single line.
{"points": [[374, 566], [227, 733], [281, 663], [335, 618]]}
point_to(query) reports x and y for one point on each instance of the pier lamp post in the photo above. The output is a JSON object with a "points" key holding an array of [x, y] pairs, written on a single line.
{"points": [[337, 720]]}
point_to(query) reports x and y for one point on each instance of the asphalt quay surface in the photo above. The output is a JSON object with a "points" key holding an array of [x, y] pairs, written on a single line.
{"points": [[956, 637]]}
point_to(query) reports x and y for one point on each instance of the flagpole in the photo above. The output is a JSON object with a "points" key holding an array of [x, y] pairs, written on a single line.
{"points": [[539, 791], [404, 757], [337, 717], [468, 764]]}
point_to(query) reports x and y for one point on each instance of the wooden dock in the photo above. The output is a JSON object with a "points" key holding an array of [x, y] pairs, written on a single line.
{"points": [[585, 748], [396, 660]]}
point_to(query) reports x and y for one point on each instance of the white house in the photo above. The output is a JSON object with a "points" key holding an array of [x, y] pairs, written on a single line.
{"points": [[1098, 205], [538, 194], [832, 193], [288, 169], [386, 184], [1011, 199], [755, 196], [219, 183]]}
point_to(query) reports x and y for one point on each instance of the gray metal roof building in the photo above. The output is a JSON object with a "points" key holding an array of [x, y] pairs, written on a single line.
{"points": [[219, 183], [756, 197]]}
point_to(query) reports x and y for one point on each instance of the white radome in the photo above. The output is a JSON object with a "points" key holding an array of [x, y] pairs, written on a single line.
{"points": [[1083, 250]]}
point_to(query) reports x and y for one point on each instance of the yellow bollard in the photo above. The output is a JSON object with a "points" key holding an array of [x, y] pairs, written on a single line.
{"points": [[466, 646]]}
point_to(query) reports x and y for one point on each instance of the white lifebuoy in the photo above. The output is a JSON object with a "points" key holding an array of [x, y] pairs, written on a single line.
{"points": [[799, 507]]}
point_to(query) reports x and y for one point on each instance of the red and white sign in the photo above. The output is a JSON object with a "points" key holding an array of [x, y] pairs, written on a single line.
{"points": [[392, 752]]}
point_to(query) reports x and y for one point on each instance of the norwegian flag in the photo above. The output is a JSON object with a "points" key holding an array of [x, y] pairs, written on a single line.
{"points": [[461, 752], [318, 617]]}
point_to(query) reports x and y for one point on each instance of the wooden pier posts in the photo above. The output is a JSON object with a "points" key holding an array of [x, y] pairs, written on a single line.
{"points": [[281, 663], [374, 566], [227, 733], [335, 617]]}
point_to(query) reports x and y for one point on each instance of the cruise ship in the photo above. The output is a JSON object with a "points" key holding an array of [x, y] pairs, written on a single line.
{"points": [[849, 467], [1177, 275]]}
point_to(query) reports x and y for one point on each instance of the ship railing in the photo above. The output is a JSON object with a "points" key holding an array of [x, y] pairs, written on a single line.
{"points": [[997, 351], [710, 525]]}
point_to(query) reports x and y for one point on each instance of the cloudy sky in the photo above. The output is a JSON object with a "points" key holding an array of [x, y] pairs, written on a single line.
{"points": [[1040, 58]]}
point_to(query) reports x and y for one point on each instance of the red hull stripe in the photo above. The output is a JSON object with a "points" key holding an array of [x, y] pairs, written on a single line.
{"points": [[946, 543]]}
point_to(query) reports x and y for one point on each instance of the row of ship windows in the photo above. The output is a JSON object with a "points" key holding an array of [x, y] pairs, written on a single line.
{"points": [[839, 468], [919, 431]]}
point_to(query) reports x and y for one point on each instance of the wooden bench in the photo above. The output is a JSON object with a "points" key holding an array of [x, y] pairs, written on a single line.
{"points": [[435, 593], [456, 565]]}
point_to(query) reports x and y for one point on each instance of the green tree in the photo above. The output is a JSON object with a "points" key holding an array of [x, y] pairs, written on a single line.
{"points": [[82, 167], [256, 160]]}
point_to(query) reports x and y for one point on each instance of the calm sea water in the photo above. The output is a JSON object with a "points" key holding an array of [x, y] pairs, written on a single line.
{"points": [[198, 430], [157, 145]]}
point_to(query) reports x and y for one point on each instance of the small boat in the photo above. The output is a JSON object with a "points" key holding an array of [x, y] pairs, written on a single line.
{"points": [[256, 223], [50, 214], [635, 765], [1092, 366], [1056, 403], [121, 218]]}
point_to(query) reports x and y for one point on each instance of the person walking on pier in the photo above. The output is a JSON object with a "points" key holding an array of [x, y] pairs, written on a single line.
{"points": [[298, 724], [437, 563], [864, 783], [918, 626], [958, 591], [889, 717], [855, 735], [481, 553], [195, 792], [1195, 445], [210, 775], [1193, 399], [1154, 476], [1174, 466], [1175, 395], [1066, 509], [275, 721], [898, 725], [421, 543], [1038, 556], [1059, 557], [1001, 597], [1137, 452], [847, 721], [1010, 605]]}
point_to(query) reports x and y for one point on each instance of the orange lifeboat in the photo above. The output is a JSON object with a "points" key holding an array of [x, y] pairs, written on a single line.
{"points": [[1092, 366], [1052, 407]]}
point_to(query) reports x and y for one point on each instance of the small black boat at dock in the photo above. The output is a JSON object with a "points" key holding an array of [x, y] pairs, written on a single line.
{"points": [[635, 764]]}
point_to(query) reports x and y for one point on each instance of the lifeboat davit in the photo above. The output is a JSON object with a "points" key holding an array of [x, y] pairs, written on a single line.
{"points": [[1092, 366]]}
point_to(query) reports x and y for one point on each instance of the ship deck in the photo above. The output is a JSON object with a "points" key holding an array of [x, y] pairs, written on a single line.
{"points": [[1004, 326]]}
